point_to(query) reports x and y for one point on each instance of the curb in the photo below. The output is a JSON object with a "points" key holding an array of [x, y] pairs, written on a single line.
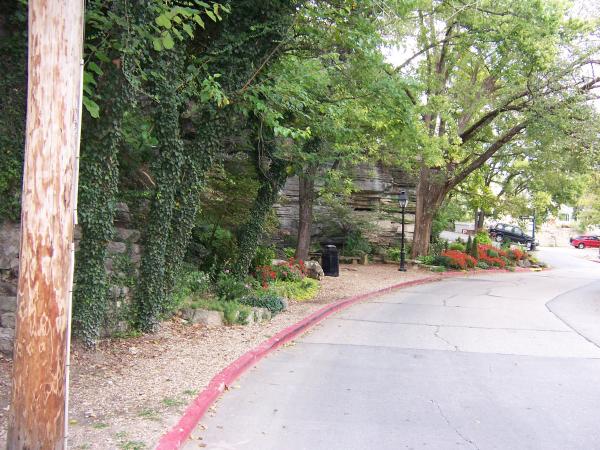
{"points": [[179, 434]]}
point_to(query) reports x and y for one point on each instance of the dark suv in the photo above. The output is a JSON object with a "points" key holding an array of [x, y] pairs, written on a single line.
{"points": [[504, 232]]}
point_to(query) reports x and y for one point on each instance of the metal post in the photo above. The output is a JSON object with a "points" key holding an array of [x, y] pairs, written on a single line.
{"points": [[402, 253], [533, 231]]}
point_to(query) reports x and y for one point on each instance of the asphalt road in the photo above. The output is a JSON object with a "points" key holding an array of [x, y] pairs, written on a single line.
{"points": [[506, 361]]}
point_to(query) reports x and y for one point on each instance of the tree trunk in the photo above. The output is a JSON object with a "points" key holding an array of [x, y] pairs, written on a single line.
{"points": [[38, 404], [430, 195], [306, 197], [480, 220]]}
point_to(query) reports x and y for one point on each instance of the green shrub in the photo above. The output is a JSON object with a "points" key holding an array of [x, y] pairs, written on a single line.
{"points": [[228, 288], [428, 260], [469, 245], [483, 265], [269, 300], [492, 253], [356, 244], [211, 248], [289, 252], [439, 246], [441, 261], [483, 237], [233, 312], [457, 246], [189, 282], [298, 290], [264, 257], [475, 248], [393, 253]]}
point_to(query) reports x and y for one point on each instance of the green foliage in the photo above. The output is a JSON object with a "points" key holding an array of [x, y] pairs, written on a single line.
{"points": [[394, 253], [13, 92], [190, 282], [229, 288], [437, 247], [428, 260], [483, 237], [492, 253], [457, 246], [212, 248], [270, 300], [483, 265], [475, 248], [264, 256], [469, 246], [299, 290], [356, 244], [440, 260], [289, 252], [233, 311]]}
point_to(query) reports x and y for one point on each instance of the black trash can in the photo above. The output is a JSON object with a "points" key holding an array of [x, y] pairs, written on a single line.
{"points": [[330, 261]]}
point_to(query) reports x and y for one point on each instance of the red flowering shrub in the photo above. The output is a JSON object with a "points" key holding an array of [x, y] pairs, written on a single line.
{"points": [[293, 270], [490, 250], [491, 260], [458, 259], [265, 274], [516, 254]]}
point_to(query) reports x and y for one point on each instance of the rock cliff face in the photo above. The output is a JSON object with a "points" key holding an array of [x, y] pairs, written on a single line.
{"points": [[375, 200]]}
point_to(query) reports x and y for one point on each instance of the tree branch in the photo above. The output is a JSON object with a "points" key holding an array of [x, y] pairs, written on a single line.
{"points": [[491, 150]]}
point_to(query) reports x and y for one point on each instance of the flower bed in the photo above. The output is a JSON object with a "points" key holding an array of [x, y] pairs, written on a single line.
{"points": [[486, 256]]}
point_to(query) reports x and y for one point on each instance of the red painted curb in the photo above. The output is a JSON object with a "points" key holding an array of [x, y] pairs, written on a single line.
{"points": [[192, 415]]}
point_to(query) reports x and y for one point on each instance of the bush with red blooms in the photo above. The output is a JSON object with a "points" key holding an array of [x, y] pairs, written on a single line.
{"points": [[459, 260], [516, 254], [495, 261], [265, 274], [292, 270], [492, 251]]}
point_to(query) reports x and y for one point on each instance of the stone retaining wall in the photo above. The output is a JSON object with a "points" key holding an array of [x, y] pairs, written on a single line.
{"points": [[124, 254]]}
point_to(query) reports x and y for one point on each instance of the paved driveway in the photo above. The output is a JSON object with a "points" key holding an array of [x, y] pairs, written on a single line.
{"points": [[507, 361]]}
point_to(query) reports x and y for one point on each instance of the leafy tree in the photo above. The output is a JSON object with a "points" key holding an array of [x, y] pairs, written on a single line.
{"points": [[486, 75]]}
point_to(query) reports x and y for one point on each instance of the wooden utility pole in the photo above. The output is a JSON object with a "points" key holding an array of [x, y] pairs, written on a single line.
{"points": [[38, 411]]}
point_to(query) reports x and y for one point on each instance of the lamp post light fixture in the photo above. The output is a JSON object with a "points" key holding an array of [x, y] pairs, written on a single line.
{"points": [[403, 200]]}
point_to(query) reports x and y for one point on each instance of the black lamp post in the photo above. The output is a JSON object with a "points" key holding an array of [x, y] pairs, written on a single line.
{"points": [[403, 199]]}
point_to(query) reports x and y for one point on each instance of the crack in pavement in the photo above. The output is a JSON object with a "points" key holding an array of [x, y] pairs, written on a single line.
{"points": [[458, 433], [436, 334]]}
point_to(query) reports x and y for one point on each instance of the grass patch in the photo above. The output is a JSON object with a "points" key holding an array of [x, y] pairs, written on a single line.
{"points": [[149, 414], [190, 392], [100, 425], [302, 290], [233, 312], [170, 402]]}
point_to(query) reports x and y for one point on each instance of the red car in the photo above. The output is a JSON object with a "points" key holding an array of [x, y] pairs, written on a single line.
{"points": [[585, 241]]}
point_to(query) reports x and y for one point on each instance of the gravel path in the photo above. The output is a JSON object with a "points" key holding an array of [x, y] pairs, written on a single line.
{"points": [[128, 392]]}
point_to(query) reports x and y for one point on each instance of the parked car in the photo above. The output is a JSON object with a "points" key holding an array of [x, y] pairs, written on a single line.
{"points": [[585, 241], [505, 232]]}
